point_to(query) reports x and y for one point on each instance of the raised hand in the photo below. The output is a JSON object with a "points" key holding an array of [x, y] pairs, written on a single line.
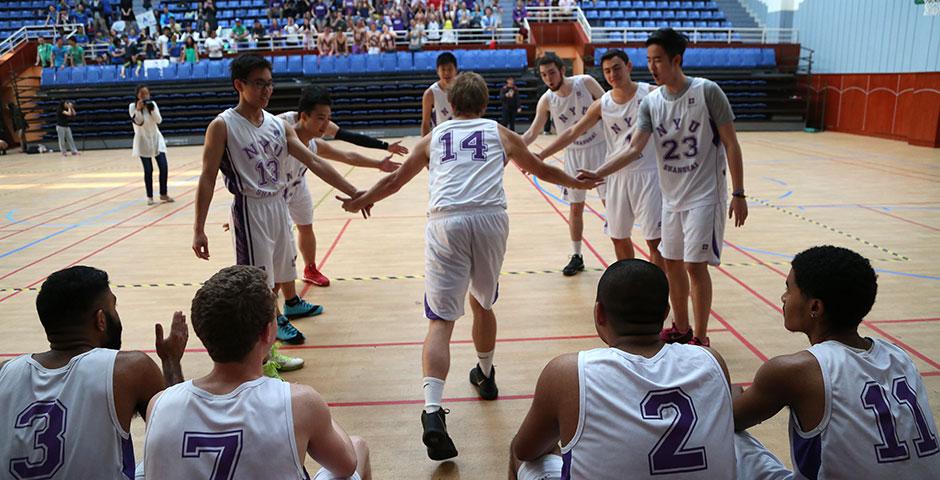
{"points": [[397, 148], [388, 165], [172, 347]]}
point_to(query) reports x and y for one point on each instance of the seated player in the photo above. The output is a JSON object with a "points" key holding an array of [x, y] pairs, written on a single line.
{"points": [[311, 121], [83, 392], [234, 422], [640, 408], [858, 406], [465, 238]]}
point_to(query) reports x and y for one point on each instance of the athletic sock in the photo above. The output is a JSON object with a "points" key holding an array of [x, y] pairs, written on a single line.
{"points": [[433, 394], [485, 359], [290, 302], [576, 246]]}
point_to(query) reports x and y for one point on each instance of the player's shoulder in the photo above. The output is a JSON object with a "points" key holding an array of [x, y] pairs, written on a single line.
{"points": [[784, 368], [301, 394], [562, 364]]}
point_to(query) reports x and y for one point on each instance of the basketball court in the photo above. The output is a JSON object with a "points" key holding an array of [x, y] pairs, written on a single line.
{"points": [[880, 198]]}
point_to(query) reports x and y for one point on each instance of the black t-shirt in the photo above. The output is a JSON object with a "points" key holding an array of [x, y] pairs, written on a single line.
{"points": [[509, 102], [62, 119]]}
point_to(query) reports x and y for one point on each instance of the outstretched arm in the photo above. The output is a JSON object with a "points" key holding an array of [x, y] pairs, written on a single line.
{"points": [[319, 168], [392, 182], [622, 158], [589, 119], [325, 150], [517, 150], [538, 123]]}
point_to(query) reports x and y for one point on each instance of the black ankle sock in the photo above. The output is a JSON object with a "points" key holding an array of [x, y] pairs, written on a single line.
{"points": [[292, 301]]}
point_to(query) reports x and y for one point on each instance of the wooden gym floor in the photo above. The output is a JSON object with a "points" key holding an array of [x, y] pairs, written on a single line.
{"points": [[878, 197]]}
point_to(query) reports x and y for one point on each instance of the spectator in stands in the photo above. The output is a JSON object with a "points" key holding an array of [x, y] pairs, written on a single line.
{"points": [[174, 27], [148, 141], [274, 31], [43, 53], [190, 53], [416, 36], [239, 33], [206, 28], [214, 46], [447, 34], [80, 16], [522, 35], [188, 32], [165, 15], [518, 14], [321, 12], [374, 39], [325, 42], [76, 54], [19, 124], [490, 21], [163, 43], [292, 32], [340, 43], [127, 12], [258, 32], [64, 118], [309, 33], [364, 9], [387, 40], [338, 22], [59, 53], [148, 46], [359, 37], [211, 13], [567, 6], [398, 24], [509, 97], [133, 58], [434, 26], [275, 10], [464, 17], [52, 16]]}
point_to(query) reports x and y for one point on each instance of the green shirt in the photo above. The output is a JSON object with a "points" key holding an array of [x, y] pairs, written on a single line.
{"points": [[190, 55], [238, 31], [45, 52], [78, 55]]}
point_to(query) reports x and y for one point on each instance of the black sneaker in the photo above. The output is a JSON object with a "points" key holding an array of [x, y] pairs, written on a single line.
{"points": [[486, 387], [575, 265], [440, 446]]}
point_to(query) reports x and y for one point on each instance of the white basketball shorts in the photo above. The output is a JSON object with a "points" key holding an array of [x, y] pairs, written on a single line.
{"points": [[463, 250], [634, 196], [324, 474], [755, 462], [299, 204], [695, 235], [546, 467], [588, 158], [262, 236]]}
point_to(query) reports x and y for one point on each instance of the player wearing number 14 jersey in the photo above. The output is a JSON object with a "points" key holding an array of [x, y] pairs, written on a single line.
{"points": [[858, 406], [640, 408], [465, 238]]}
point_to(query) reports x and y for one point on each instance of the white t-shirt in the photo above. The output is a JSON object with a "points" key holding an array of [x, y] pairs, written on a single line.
{"points": [[163, 43], [214, 47]]}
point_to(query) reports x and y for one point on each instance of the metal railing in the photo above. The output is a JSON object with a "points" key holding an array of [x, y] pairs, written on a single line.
{"points": [[33, 32]]}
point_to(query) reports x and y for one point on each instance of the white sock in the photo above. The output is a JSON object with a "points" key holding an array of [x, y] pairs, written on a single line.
{"points": [[433, 394], [485, 359], [576, 246]]}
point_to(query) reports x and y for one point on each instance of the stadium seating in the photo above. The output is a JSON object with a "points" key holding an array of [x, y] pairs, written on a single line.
{"points": [[709, 58], [653, 14]]}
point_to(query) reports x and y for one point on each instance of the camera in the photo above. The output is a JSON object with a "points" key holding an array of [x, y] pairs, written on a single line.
{"points": [[149, 104]]}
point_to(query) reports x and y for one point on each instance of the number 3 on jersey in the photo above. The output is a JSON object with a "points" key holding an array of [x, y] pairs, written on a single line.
{"points": [[473, 143], [49, 417], [671, 454]]}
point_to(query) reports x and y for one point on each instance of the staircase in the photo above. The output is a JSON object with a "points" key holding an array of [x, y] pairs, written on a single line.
{"points": [[737, 14]]}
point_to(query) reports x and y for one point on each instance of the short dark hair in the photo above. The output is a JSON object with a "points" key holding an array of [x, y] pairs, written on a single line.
{"points": [[673, 42], [615, 53], [231, 310], [311, 96], [469, 95], [634, 293], [69, 295], [140, 87], [446, 58], [551, 58], [245, 64], [843, 280]]}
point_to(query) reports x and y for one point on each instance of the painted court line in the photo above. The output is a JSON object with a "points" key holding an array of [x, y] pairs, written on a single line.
{"points": [[326, 256], [898, 217]]}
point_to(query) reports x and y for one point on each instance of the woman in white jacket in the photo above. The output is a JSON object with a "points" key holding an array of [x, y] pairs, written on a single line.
{"points": [[148, 141]]}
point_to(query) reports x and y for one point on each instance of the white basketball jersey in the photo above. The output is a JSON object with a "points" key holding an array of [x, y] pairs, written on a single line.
{"points": [[442, 110], [61, 423], [465, 169], [668, 416], [254, 156], [877, 422], [567, 111], [620, 123], [247, 433], [689, 151], [294, 170]]}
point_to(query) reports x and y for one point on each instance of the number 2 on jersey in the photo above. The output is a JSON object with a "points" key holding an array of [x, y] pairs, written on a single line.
{"points": [[226, 445], [671, 454], [48, 440], [891, 448], [474, 143]]}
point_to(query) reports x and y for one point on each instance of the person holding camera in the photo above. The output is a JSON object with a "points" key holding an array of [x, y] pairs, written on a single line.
{"points": [[64, 117], [149, 142]]}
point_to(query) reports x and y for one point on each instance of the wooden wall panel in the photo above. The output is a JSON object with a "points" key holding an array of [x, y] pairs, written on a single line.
{"points": [[902, 106]]}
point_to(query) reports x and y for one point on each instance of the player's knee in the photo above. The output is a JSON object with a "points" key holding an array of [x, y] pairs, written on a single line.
{"points": [[577, 208], [697, 269], [360, 446]]}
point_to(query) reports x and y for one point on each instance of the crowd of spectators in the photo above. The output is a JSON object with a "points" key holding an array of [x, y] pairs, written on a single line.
{"points": [[115, 34]]}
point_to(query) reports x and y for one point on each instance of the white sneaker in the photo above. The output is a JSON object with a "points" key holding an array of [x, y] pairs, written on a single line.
{"points": [[285, 363]]}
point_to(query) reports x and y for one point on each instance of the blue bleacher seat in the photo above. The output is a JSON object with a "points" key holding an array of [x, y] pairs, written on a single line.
{"points": [[92, 74], [48, 77], [78, 75], [295, 64], [217, 70], [341, 64], [201, 71], [109, 73], [404, 62], [768, 57], [310, 65], [373, 63], [279, 65], [389, 62], [184, 71], [326, 65], [425, 61], [721, 58]]}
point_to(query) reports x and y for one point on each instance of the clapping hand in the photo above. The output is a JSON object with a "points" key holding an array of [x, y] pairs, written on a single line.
{"points": [[388, 165], [173, 346]]}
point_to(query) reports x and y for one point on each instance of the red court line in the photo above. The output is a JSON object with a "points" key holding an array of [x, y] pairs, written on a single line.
{"points": [[97, 203], [326, 257], [383, 403], [903, 345], [906, 320], [756, 259], [99, 250], [912, 222]]}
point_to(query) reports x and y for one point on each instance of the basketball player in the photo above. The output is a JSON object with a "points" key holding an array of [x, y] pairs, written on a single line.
{"points": [[567, 101], [858, 406], [66, 413], [312, 123], [434, 107], [465, 238], [642, 406], [689, 120], [633, 192], [251, 147], [210, 427]]}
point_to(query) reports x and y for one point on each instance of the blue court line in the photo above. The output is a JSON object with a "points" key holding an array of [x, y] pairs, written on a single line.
{"points": [[785, 195], [879, 270], [775, 180], [70, 227]]}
